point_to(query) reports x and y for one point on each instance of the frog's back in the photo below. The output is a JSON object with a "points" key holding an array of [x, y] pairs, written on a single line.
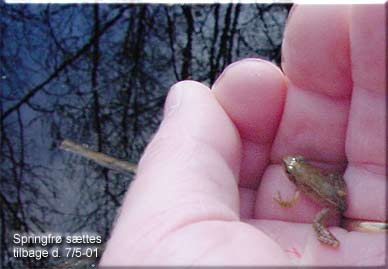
{"points": [[327, 190]]}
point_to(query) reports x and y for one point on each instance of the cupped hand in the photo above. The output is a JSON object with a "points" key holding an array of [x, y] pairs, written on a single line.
{"points": [[204, 189]]}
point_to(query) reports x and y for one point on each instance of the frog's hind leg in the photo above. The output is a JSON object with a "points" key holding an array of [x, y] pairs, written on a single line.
{"points": [[287, 203], [339, 183], [324, 235], [340, 186]]}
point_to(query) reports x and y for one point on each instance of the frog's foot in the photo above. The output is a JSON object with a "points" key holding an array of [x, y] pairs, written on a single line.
{"points": [[287, 203], [323, 234]]}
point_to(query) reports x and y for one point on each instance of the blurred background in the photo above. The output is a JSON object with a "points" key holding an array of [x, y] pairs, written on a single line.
{"points": [[98, 75]]}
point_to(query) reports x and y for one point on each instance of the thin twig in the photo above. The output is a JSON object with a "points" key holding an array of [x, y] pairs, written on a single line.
{"points": [[98, 157]]}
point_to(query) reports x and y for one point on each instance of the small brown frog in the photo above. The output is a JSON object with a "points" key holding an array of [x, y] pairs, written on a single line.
{"points": [[329, 190]]}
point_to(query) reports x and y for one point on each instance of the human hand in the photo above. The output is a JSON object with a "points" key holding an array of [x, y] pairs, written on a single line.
{"points": [[204, 189]]}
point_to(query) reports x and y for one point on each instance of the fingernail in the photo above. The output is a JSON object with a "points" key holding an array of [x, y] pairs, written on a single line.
{"points": [[232, 65], [173, 101]]}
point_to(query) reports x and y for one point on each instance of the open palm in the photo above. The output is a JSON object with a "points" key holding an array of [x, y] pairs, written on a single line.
{"points": [[204, 189]]}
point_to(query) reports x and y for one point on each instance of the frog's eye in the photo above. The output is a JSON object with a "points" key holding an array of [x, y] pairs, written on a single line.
{"points": [[289, 169]]}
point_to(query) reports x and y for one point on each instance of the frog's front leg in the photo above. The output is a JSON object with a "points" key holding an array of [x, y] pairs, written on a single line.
{"points": [[287, 203], [324, 235]]}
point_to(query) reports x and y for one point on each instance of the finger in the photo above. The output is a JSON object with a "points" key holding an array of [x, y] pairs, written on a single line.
{"points": [[317, 64], [187, 174], [252, 93], [366, 137]]}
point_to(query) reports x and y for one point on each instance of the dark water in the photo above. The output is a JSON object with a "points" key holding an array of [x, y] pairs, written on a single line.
{"points": [[98, 75]]}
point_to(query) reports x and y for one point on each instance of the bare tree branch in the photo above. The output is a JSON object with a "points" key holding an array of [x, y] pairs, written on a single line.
{"points": [[61, 67]]}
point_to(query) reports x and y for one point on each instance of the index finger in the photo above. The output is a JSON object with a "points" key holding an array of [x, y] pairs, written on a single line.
{"points": [[316, 62]]}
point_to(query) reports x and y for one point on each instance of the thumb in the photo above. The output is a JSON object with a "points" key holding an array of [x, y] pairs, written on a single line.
{"points": [[187, 174]]}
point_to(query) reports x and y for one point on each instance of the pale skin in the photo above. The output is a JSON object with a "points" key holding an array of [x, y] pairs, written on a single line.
{"points": [[204, 189]]}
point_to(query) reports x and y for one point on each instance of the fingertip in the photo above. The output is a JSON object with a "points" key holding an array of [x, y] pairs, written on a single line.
{"points": [[192, 112], [178, 90], [252, 92], [315, 49], [245, 68], [195, 146]]}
